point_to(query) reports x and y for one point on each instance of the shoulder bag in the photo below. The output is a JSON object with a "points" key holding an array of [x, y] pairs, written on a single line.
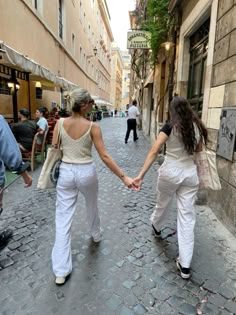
{"points": [[205, 161], [50, 171]]}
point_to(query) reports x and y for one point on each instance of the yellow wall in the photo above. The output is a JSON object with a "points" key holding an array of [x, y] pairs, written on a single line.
{"points": [[35, 33]]}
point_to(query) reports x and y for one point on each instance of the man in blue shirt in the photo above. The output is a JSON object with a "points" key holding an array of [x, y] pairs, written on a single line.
{"points": [[11, 157]]}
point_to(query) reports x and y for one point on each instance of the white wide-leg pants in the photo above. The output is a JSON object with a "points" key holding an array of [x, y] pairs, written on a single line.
{"points": [[73, 178], [180, 179]]}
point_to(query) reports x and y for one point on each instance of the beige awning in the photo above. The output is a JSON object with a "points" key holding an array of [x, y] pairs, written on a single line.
{"points": [[103, 102], [95, 97], [13, 59]]}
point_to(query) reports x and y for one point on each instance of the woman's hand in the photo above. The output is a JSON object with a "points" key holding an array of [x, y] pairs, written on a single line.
{"points": [[128, 181], [137, 183], [27, 179]]}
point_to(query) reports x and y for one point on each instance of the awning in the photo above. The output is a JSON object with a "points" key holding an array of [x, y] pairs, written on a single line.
{"points": [[103, 102], [13, 59], [149, 79], [95, 97]]}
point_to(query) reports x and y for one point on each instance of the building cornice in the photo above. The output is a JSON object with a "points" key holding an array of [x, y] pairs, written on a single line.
{"points": [[106, 17]]}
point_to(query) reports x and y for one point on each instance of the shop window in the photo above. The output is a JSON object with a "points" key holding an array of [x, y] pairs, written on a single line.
{"points": [[73, 43], [197, 67], [4, 89], [39, 93]]}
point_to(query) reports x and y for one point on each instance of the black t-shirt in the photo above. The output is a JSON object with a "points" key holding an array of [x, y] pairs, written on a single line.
{"points": [[167, 128], [24, 132]]}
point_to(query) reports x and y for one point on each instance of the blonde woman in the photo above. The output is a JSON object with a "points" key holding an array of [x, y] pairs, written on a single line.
{"points": [[78, 174]]}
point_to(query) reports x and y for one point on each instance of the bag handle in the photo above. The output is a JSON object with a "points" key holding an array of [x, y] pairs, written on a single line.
{"points": [[60, 122]]}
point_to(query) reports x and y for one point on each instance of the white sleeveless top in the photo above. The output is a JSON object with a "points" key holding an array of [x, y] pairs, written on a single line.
{"points": [[77, 151], [175, 149]]}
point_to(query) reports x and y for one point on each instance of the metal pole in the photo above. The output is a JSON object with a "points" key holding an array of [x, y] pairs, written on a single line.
{"points": [[29, 99], [14, 97]]}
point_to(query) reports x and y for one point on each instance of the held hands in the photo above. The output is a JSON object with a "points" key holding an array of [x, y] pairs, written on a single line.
{"points": [[134, 184], [128, 181], [27, 179], [137, 183]]}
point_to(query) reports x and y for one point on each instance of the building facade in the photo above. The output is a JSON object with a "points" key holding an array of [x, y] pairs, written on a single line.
{"points": [[48, 47], [126, 58], [116, 77]]}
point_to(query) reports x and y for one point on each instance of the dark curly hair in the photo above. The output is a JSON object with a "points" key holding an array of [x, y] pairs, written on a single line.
{"points": [[182, 119]]}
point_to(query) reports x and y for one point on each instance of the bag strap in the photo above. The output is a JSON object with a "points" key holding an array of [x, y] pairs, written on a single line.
{"points": [[60, 122]]}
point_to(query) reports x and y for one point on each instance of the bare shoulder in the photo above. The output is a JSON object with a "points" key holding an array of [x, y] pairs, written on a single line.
{"points": [[96, 127], [96, 131]]}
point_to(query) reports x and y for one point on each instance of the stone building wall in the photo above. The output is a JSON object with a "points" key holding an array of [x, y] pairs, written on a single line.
{"points": [[219, 86], [223, 95]]}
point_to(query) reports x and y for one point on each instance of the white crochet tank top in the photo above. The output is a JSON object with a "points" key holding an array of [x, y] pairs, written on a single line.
{"points": [[77, 151]]}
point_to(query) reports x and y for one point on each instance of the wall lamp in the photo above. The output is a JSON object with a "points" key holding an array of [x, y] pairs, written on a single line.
{"points": [[95, 51], [13, 85], [38, 85], [167, 45]]}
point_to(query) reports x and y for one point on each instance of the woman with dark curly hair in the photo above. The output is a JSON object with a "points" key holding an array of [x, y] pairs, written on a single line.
{"points": [[183, 135]]}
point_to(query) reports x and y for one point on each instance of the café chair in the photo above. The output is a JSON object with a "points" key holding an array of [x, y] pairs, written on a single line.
{"points": [[37, 150]]}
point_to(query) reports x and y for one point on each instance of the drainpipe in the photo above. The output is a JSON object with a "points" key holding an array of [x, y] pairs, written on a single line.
{"points": [[173, 56], [172, 66]]}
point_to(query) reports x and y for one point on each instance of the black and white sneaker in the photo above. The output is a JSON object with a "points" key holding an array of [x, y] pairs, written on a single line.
{"points": [[156, 233], [184, 272], [5, 237]]}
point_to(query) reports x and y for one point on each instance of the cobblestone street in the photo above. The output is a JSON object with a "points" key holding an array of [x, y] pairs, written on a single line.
{"points": [[129, 272]]}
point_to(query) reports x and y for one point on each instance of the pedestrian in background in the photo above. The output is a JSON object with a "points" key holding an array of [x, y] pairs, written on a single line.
{"points": [[11, 157], [183, 135], [133, 113], [42, 123], [78, 174]]}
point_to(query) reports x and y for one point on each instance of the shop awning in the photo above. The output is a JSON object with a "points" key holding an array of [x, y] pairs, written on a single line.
{"points": [[95, 97], [103, 102], [13, 59]]}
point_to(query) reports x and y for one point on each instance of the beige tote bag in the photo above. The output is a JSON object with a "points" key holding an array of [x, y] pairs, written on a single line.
{"points": [[50, 171], [205, 161]]}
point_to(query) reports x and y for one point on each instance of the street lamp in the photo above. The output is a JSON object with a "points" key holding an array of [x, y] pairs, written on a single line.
{"points": [[13, 85], [167, 45], [95, 50]]}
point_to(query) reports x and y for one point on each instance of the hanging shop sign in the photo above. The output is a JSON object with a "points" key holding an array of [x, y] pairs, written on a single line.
{"points": [[139, 40]]}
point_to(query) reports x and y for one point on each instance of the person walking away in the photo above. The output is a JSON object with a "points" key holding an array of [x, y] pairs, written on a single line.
{"points": [[183, 135], [133, 112], [11, 157], [78, 174], [24, 130]]}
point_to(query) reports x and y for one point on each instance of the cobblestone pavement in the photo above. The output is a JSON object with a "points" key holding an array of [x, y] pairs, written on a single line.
{"points": [[129, 272]]}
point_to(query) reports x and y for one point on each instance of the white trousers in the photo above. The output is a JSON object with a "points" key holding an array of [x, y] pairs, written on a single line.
{"points": [[180, 179], [73, 178]]}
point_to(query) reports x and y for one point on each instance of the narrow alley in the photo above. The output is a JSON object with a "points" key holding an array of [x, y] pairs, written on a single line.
{"points": [[129, 272]]}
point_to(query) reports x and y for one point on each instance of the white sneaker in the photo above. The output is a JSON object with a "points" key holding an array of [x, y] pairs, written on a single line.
{"points": [[61, 280], [97, 237]]}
